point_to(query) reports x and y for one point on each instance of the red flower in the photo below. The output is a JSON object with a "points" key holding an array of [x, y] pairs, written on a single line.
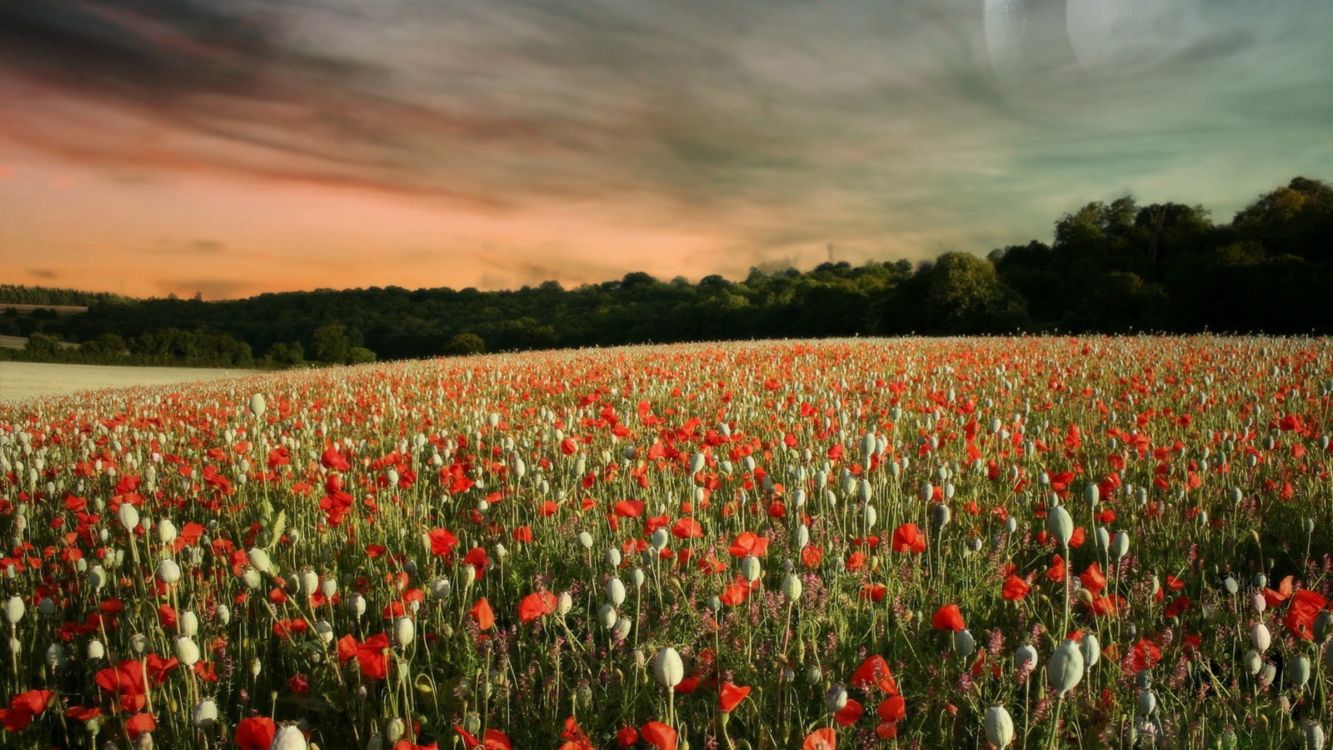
{"points": [[849, 714], [821, 739], [948, 617], [536, 606], [908, 538], [335, 461], [749, 543], [254, 733], [731, 696], [442, 542], [1092, 579], [139, 724], [1015, 588], [893, 708], [874, 671], [125, 681], [575, 738], [370, 657], [627, 737], [482, 614], [1301, 613], [658, 735], [1056, 573], [495, 740]]}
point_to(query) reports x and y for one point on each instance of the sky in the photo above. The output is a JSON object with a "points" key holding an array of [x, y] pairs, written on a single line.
{"points": [[154, 147]]}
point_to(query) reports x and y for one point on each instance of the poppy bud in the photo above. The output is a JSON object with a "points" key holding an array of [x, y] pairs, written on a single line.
{"points": [[999, 727], [205, 714], [289, 738], [224, 614], [660, 539], [835, 699], [358, 604], [668, 668], [1092, 493], [791, 587], [96, 650], [1298, 671], [623, 627], [1064, 669], [404, 631], [1060, 524], [1260, 637], [607, 616], [260, 560], [1025, 657], [1146, 702], [187, 651], [168, 571], [585, 540], [751, 568], [257, 408], [188, 624], [129, 516], [615, 591], [963, 643], [166, 531], [564, 604], [14, 610], [1092, 650], [1313, 735], [613, 557]]}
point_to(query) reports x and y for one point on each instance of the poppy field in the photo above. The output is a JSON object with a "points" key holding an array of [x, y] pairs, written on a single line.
{"points": [[917, 543]]}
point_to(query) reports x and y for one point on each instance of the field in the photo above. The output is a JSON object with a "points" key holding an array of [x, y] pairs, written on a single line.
{"points": [[948, 543], [23, 380]]}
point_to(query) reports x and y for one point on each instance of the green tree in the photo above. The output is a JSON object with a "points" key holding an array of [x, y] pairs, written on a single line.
{"points": [[360, 355], [466, 343], [331, 344]]}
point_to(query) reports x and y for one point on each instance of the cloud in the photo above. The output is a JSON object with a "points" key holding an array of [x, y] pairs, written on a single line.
{"points": [[45, 274]]}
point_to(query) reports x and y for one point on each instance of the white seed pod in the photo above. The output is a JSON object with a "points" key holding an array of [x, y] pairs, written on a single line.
{"points": [[166, 531], [224, 614], [1253, 662], [97, 577], [260, 560], [615, 591], [168, 571], [1025, 657], [1146, 702], [637, 577], [1092, 494], [187, 651], [404, 631], [803, 536], [668, 668], [607, 615], [1120, 545], [14, 610], [289, 738], [871, 515], [1091, 649], [1060, 524], [1313, 734], [440, 588], [622, 628], [585, 540], [963, 643], [324, 631], [613, 557], [1064, 669], [999, 727], [660, 539], [1298, 671], [188, 624], [129, 516], [95, 650], [791, 587], [251, 578], [204, 715], [358, 604], [751, 568], [329, 587], [55, 656], [1260, 637], [258, 405], [309, 582], [835, 699]]}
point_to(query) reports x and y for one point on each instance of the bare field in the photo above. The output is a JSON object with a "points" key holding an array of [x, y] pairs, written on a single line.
{"points": [[24, 380]]}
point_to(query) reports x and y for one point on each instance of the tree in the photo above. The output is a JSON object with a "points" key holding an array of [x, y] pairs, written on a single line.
{"points": [[42, 345], [465, 343], [331, 344], [360, 355]]}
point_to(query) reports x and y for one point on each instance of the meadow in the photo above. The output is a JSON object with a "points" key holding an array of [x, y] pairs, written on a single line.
{"points": [[26, 380], [918, 543]]}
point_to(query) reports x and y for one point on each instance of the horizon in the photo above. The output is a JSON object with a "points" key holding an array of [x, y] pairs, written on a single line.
{"points": [[256, 147]]}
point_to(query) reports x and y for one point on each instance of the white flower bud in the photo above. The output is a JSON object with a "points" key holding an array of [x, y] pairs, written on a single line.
{"points": [[999, 727], [668, 668]]}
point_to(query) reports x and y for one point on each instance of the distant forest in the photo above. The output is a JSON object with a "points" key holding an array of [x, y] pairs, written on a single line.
{"points": [[1111, 268]]}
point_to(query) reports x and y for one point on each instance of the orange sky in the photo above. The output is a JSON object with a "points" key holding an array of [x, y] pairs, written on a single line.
{"points": [[254, 146]]}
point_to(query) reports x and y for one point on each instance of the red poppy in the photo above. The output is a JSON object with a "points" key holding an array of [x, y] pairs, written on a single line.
{"points": [[893, 708], [125, 681], [948, 617], [1092, 579], [334, 461], [139, 724], [731, 696], [494, 740], [1015, 588], [627, 737], [482, 614], [849, 714], [536, 606], [254, 733], [442, 542], [1056, 572], [574, 736], [748, 543], [874, 671], [1301, 613], [658, 735], [908, 538], [821, 739], [371, 659], [23, 708]]}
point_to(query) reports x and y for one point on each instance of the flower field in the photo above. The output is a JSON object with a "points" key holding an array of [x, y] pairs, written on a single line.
{"points": [[950, 543]]}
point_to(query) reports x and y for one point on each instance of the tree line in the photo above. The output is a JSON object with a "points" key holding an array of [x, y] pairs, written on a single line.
{"points": [[1113, 267]]}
